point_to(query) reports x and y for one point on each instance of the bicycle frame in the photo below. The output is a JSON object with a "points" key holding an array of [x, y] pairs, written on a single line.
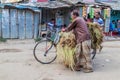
{"points": [[54, 36]]}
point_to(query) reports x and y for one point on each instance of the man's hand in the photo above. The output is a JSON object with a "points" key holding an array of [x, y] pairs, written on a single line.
{"points": [[63, 30]]}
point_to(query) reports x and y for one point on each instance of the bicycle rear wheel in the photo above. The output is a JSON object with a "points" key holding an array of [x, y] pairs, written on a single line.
{"points": [[93, 53], [44, 52]]}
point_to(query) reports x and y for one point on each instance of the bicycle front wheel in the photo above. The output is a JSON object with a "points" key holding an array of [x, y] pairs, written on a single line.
{"points": [[45, 52]]}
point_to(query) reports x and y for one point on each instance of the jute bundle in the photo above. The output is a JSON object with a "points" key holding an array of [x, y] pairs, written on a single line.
{"points": [[96, 35], [66, 49], [67, 44]]}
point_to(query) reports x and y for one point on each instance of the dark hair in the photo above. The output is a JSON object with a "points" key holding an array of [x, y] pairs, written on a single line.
{"points": [[118, 20], [52, 19], [113, 20], [75, 12], [42, 22], [98, 13], [88, 16], [65, 25]]}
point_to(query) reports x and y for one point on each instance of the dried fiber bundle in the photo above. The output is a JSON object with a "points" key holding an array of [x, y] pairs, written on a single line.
{"points": [[96, 35], [66, 49]]}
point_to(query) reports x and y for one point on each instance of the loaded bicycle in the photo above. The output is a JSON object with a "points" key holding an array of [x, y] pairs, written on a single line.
{"points": [[45, 50]]}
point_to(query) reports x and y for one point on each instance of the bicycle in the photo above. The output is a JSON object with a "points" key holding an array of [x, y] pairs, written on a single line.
{"points": [[49, 43]]}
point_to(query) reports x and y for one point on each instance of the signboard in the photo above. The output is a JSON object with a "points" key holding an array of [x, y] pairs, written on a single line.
{"points": [[10, 1]]}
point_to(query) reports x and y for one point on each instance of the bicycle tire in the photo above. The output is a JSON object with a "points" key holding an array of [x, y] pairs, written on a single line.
{"points": [[48, 50], [93, 54], [95, 51]]}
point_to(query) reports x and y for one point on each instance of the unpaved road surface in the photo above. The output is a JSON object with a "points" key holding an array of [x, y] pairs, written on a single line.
{"points": [[17, 63]]}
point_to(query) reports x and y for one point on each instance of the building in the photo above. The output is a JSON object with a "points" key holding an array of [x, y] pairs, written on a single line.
{"points": [[114, 13], [23, 20], [28, 18]]}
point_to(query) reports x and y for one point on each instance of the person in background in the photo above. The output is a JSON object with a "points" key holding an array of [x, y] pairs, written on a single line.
{"points": [[88, 19], [64, 26], [51, 24], [118, 26], [82, 55], [112, 27], [98, 20], [85, 18]]}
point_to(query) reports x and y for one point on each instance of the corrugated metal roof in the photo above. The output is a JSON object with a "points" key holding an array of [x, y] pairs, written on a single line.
{"points": [[84, 2], [10, 1], [113, 5], [72, 1], [89, 1], [19, 7], [35, 6], [49, 4]]}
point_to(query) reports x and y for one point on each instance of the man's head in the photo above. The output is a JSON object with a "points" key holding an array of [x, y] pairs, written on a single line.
{"points": [[53, 21], [118, 20], [113, 21], [74, 14], [97, 15]]}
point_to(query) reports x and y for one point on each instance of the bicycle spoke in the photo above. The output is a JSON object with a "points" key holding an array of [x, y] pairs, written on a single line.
{"points": [[44, 52]]}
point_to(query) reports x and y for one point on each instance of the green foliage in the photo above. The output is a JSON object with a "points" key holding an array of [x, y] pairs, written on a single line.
{"points": [[3, 39], [37, 39]]}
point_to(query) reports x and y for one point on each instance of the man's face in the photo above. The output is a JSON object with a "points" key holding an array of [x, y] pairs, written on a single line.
{"points": [[118, 20], [53, 21], [97, 15], [73, 16]]}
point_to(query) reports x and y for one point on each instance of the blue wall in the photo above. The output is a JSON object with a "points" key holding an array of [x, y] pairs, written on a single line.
{"points": [[115, 15], [21, 24]]}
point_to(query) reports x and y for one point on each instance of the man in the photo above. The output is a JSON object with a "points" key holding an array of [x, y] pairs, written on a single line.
{"points": [[82, 54], [98, 20], [112, 27]]}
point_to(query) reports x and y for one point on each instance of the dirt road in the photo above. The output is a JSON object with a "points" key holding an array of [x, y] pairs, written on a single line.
{"points": [[17, 63]]}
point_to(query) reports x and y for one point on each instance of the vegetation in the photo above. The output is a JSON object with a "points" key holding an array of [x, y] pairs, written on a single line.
{"points": [[37, 39], [67, 46], [3, 39], [66, 49], [96, 35]]}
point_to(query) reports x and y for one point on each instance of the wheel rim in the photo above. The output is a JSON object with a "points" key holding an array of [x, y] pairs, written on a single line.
{"points": [[41, 56]]}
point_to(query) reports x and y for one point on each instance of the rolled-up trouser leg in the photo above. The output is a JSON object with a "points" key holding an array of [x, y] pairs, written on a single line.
{"points": [[82, 55], [77, 55], [86, 55]]}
